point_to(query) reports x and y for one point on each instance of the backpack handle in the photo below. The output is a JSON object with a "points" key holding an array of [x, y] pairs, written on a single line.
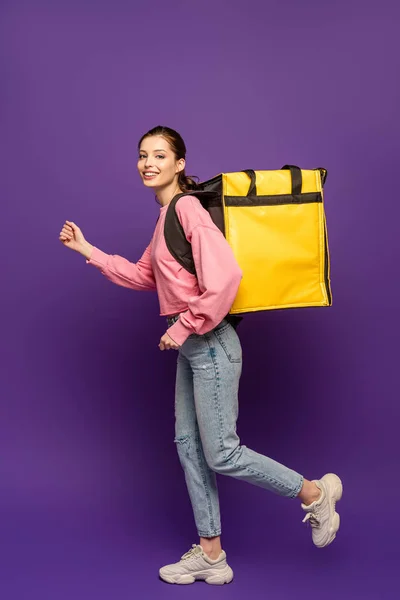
{"points": [[297, 179], [252, 189]]}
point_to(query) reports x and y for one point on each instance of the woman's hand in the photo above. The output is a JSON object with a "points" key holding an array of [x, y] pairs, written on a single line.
{"points": [[72, 237], [167, 343]]}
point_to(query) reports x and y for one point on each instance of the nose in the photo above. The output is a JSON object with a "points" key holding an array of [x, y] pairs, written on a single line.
{"points": [[147, 162]]}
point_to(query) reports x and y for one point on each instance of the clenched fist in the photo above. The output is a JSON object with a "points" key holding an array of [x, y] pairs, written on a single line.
{"points": [[72, 237], [167, 343]]}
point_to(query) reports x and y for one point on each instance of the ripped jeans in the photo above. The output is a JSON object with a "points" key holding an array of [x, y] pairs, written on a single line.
{"points": [[206, 410]]}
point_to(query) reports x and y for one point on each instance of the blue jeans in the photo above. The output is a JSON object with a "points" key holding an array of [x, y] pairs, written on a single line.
{"points": [[206, 411]]}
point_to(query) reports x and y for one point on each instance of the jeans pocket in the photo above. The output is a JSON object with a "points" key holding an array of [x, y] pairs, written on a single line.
{"points": [[229, 342]]}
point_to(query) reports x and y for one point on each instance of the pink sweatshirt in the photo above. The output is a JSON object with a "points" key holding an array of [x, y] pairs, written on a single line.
{"points": [[203, 301]]}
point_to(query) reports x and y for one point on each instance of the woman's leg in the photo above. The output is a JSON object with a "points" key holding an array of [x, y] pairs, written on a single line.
{"points": [[200, 479], [216, 363], [309, 493], [216, 374]]}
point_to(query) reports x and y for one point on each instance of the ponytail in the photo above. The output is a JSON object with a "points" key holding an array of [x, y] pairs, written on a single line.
{"points": [[187, 183]]}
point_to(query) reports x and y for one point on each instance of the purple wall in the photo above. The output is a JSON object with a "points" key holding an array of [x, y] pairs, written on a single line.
{"points": [[92, 494]]}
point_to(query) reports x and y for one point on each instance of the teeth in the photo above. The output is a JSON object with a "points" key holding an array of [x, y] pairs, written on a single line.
{"points": [[150, 174]]}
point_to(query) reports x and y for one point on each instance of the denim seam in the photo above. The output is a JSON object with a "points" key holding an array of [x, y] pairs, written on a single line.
{"points": [[181, 441], [217, 404], [216, 398], [209, 506], [223, 345]]}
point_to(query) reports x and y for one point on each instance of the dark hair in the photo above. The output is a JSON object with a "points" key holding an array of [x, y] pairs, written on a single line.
{"points": [[178, 147]]}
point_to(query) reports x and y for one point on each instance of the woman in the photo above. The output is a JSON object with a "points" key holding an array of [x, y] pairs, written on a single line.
{"points": [[209, 362]]}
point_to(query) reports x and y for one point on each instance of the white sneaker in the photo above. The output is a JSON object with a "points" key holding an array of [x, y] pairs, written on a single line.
{"points": [[195, 564], [321, 514]]}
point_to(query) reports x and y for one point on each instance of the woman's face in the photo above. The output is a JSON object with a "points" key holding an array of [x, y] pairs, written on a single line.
{"points": [[157, 164]]}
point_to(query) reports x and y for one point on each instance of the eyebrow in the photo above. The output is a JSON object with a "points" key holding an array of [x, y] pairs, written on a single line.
{"points": [[159, 150]]}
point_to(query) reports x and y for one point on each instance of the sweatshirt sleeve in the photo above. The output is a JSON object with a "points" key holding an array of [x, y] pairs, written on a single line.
{"points": [[218, 273], [136, 276]]}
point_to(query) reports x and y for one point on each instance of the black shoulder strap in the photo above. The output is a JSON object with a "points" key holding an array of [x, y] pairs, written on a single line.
{"points": [[175, 237], [181, 249]]}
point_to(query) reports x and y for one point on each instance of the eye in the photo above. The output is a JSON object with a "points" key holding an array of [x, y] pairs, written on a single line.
{"points": [[141, 156], [160, 156]]}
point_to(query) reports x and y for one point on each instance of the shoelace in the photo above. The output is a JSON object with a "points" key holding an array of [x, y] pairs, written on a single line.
{"points": [[190, 553], [313, 519], [313, 516]]}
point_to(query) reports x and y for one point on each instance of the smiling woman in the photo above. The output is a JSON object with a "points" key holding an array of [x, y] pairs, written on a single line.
{"points": [[162, 154], [209, 361]]}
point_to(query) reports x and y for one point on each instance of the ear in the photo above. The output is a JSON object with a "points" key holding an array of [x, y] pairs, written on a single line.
{"points": [[180, 165]]}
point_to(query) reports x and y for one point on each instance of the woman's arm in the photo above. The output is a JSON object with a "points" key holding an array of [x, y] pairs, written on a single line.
{"points": [[136, 276]]}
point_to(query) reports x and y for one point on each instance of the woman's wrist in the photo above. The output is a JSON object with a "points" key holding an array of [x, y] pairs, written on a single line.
{"points": [[87, 250]]}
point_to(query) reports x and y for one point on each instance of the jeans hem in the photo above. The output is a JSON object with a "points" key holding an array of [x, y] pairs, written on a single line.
{"points": [[298, 489], [209, 534]]}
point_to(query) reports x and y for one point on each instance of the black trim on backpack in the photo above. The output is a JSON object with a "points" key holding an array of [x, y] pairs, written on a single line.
{"points": [[273, 200], [234, 320]]}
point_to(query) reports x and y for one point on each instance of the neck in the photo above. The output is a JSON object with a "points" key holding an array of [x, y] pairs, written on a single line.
{"points": [[166, 193]]}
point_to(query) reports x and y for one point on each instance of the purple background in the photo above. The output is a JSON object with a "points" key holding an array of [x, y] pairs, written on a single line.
{"points": [[93, 499]]}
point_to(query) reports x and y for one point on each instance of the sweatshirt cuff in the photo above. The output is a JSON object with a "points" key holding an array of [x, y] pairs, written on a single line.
{"points": [[98, 258], [178, 332]]}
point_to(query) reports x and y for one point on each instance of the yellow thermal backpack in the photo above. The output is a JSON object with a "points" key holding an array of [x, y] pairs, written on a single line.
{"points": [[275, 223]]}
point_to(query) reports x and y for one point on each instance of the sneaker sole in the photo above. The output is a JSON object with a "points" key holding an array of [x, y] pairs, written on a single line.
{"points": [[210, 576], [335, 487]]}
